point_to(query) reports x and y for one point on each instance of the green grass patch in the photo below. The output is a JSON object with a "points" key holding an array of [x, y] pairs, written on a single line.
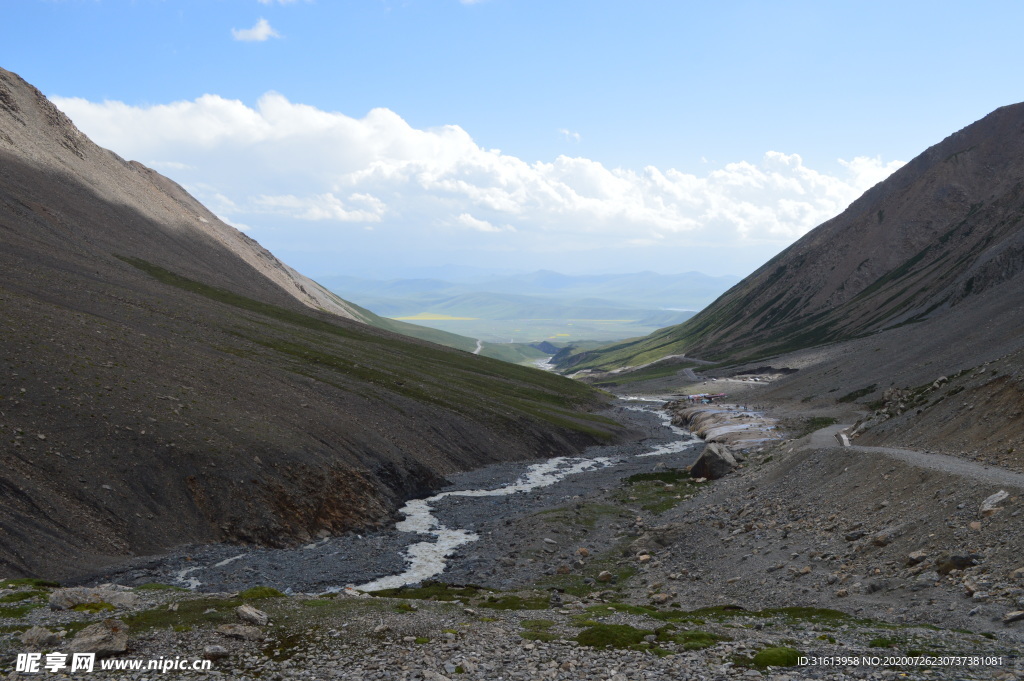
{"points": [[93, 607], [189, 613], [657, 492], [21, 596], [515, 602], [431, 591], [612, 636], [260, 592], [776, 657], [19, 610], [28, 581], [538, 630], [814, 424]]}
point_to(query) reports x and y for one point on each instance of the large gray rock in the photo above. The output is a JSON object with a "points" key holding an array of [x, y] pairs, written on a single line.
{"points": [[108, 637], [38, 638], [249, 614], [715, 461], [118, 596]]}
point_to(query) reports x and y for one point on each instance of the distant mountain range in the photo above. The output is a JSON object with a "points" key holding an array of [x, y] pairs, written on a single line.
{"points": [[541, 303]]}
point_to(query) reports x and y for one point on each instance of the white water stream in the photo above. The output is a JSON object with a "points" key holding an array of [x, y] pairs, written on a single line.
{"points": [[428, 558]]}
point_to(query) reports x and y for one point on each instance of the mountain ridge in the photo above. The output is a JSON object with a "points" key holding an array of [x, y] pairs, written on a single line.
{"points": [[943, 229], [164, 380]]}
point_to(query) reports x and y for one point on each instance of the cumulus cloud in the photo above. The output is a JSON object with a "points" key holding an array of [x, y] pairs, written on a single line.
{"points": [[305, 166], [258, 33]]}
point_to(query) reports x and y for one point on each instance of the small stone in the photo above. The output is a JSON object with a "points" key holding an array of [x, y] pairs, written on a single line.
{"points": [[842, 593], [604, 576], [215, 652], [660, 599], [916, 557], [552, 542], [249, 614], [1014, 616], [582, 552], [975, 525]]}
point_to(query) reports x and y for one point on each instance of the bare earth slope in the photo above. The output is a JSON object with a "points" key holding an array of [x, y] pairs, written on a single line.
{"points": [[942, 232], [165, 380]]}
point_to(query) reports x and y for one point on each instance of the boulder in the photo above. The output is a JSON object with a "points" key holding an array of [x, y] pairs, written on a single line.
{"points": [[38, 638], [249, 614], [108, 637], [714, 462], [946, 564], [215, 652], [1015, 616], [989, 506], [66, 599]]}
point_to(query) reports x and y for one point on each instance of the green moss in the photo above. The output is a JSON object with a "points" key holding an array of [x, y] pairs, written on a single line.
{"points": [[18, 610], [422, 640], [882, 643], [93, 607], [431, 591], [669, 476], [814, 424], [28, 581], [612, 635], [189, 612], [538, 630], [515, 602], [259, 592], [776, 657], [21, 596]]}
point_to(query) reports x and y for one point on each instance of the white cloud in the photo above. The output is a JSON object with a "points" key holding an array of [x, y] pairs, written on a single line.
{"points": [[569, 134], [281, 163], [258, 33]]}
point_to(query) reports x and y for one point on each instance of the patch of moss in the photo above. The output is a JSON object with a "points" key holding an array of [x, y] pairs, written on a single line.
{"points": [[515, 602], [28, 581], [259, 592], [538, 630], [776, 657], [431, 591], [19, 610], [93, 607], [198, 611], [612, 635], [21, 596], [422, 640], [670, 476]]}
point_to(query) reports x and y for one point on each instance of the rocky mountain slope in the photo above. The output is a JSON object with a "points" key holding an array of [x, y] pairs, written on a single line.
{"points": [[942, 233], [164, 380]]}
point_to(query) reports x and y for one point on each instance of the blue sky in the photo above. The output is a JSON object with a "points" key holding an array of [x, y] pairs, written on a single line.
{"points": [[379, 136]]}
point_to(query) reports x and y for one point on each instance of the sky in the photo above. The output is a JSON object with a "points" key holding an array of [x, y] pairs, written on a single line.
{"points": [[385, 137]]}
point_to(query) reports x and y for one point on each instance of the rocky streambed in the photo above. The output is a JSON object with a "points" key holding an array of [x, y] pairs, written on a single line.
{"points": [[623, 569]]}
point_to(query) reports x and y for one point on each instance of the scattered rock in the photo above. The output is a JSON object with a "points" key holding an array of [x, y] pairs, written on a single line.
{"points": [[946, 564], [108, 637], [604, 576], [715, 462], [249, 614], [916, 557], [1015, 616], [38, 638], [242, 631], [661, 599], [66, 599], [989, 507], [215, 652]]}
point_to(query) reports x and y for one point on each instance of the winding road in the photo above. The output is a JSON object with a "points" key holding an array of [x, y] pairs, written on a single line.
{"points": [[826, 439]]}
